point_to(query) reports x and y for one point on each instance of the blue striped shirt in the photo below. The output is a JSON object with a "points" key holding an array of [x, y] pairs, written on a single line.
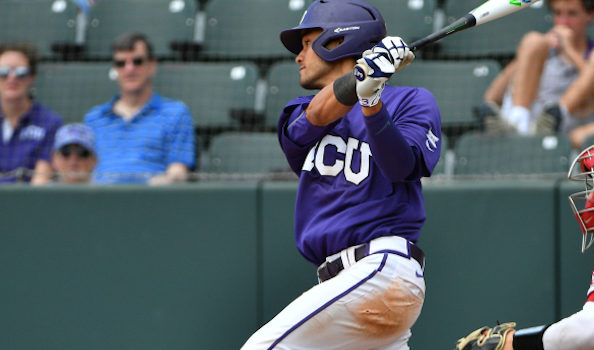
{"points": [[132, 151]]}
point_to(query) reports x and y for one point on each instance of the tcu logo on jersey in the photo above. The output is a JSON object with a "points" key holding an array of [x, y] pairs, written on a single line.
{"points": [[315, 158]]}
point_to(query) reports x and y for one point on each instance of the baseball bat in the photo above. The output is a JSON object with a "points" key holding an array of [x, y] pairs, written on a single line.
{"points": [[488, 11]]}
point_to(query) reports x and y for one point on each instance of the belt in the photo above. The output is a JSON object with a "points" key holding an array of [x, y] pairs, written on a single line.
{"points": [[389, 244]]}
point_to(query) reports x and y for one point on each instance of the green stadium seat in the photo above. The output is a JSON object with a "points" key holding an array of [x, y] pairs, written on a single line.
{"points": [[457, 85], [72, 88], [482, 154], [497, 38], [410, 19], [245, 152], [283, 86], [249, 29], [217, 93], [163, 21], [40, 22]]}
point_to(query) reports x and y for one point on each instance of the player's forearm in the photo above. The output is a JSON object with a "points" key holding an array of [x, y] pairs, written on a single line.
{"points": [[391, 152], [297, 135], [325, 109]]}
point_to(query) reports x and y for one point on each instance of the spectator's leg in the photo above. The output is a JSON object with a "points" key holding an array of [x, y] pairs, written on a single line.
{"points": [[530, 58], [498, 86]]}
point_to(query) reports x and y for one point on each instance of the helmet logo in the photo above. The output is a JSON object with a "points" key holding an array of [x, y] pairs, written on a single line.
{"points": [[344, 29], [302, 17]]}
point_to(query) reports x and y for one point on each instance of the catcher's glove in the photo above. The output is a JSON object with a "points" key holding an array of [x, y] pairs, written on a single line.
{"points": [[486, 338]]}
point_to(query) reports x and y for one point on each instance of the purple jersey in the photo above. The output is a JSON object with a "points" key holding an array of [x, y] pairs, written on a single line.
{"points": [[349, 188], [31, 140]]}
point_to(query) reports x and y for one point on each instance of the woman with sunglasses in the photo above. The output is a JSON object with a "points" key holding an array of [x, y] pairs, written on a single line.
{"points": [[27, 128]]}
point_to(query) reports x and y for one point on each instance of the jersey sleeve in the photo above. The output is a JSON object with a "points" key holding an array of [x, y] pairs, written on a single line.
{"points": [[296, 134], [573, 332], [418, 118]]}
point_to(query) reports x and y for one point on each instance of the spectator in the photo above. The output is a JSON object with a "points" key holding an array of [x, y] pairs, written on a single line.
{"points": [[574, 113], [544, 67], [140, 136], [74, 154], [28, 128]]}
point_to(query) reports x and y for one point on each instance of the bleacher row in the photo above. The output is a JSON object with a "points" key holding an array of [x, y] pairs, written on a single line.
{"points": [[224, 59], [542, 156], [247, 29]]}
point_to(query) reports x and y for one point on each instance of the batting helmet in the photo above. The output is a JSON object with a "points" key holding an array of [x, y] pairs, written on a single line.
{"points": [[359, 24], [582, 203]]}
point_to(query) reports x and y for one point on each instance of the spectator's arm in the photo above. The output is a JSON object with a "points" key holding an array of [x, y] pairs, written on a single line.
{"points": [[175, 173], [42, 173]]}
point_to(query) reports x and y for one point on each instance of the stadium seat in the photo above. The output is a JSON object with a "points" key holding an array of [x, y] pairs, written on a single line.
{"points": [[482, 154], [283, 86], [72, 88], [41, 22], [497, 38], [457, 85], [218, 94], [249, 29], [245, 152], [410, 19], [163, 21]]}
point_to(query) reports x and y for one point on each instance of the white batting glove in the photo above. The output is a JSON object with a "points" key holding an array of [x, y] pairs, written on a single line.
{"points": [[377, 66], [369, 88], [397, 52]]}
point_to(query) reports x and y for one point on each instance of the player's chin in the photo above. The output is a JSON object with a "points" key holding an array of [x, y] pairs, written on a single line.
{"points": [[309, 84]]}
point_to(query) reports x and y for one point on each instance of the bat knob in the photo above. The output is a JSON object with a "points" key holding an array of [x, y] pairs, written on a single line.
{"points": [[359, 72]]}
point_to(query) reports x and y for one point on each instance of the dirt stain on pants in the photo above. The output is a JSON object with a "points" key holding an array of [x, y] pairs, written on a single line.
{"points": [[391, 313]]}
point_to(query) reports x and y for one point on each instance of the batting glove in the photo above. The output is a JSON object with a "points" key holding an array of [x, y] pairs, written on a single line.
{"points": [[370, 79], [377, 65], [396, 50]]}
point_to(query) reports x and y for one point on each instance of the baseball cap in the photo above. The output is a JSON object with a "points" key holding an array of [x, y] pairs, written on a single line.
{"points": [[79, 134]]}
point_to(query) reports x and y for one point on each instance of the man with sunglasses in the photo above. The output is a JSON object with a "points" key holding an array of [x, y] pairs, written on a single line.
{"points": [[141, 137], [27, 128], [74, 154]]}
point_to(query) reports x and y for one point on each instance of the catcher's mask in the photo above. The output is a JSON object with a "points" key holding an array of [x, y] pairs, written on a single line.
{"points": [[582, 203]]}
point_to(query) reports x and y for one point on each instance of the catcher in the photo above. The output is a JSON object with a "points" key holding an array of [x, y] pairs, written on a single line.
{"points": [[575, 332]]}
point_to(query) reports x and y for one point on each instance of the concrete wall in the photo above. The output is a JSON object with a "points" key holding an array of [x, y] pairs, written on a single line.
{"points": [[202, 266]]}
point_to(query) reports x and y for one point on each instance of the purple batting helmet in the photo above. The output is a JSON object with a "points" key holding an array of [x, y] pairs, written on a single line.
{"points": [[357, 22]]}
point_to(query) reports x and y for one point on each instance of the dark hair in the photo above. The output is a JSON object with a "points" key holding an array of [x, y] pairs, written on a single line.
{"points": [[26, 49], [588, 4], [126, 42]]}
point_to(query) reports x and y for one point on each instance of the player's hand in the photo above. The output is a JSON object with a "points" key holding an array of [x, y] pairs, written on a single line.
{"points": [[388, 57], [486, 338], [377, 65], [371, 79], [397, 51]]}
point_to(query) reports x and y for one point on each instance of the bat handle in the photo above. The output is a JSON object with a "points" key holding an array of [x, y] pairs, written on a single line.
{"points": [[462, 23]]}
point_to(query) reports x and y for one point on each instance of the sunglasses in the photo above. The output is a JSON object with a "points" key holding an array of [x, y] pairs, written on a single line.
{"points": [[67, 151], [19, 72], [137, 62]]}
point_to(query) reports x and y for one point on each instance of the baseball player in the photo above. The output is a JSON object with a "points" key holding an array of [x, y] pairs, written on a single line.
{"points": [[575, 332], [360, 149]]}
